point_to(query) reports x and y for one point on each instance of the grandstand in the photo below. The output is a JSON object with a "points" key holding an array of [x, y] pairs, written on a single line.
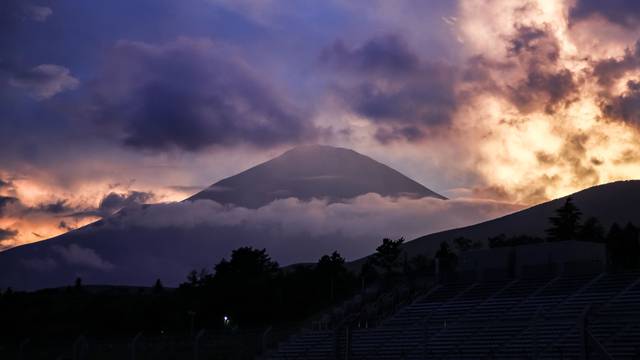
{"points": [[569, 315]]}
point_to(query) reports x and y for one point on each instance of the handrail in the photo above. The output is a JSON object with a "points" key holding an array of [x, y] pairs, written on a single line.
{"points": [[603, 351], [607, 304], [577, 293]]}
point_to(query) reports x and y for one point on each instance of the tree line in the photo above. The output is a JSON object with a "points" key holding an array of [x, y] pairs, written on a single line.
{"points": [[621, 241], [247, 290]]}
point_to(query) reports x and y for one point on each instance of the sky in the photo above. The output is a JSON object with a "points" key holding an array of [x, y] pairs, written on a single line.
{"points": [[114, 103]]}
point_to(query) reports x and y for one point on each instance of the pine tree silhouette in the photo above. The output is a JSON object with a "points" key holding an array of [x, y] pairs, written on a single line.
{"points": [[158, 287], [566, 223]]}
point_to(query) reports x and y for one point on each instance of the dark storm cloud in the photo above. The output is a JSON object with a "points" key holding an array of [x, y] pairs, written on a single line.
{"points": [[386, 82], [109, 204], [622, 12], [545, 85], [56, 207], [113, 202], [425, 100], [7, 234], [542, 88], [6, 237], [63, 225], [5, 201], [541, 83], [409, 133], [5, 184], [609, 70], [408, 97], [536, 41], [479, 71], [19, 209], [190, 94], [625, 107], [386, 55]]}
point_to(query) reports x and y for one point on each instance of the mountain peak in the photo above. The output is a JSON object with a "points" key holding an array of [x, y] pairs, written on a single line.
{"points": [[313, 171], [316, 147], [316, 151]]}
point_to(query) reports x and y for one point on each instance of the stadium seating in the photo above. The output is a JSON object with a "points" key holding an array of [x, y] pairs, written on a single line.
{"points": [[541, 318]]}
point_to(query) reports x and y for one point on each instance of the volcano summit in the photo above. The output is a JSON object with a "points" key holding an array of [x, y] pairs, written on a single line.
{"points": [[313, 171]]}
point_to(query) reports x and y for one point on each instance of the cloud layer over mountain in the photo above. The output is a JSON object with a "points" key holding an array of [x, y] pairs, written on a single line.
{"points": [[146, 242]]}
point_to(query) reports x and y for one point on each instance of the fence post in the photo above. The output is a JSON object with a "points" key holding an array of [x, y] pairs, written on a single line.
{"points": [[347, 347], [79, 348], [196, 344], [425, 340], [535, 336], [134, 344], [23, 344], [534, 341], [265, 335], [582, 332]]}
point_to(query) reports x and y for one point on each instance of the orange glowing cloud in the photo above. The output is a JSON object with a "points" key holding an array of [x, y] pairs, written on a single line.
{"points": [[544, 142]]}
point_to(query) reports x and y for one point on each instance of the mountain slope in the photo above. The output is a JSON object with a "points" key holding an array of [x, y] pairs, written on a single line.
{"points": [[141, 244], [609, 203], [313, 171]]}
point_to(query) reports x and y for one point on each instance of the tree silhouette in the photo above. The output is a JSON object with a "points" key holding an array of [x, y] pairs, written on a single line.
{"points": [[591, 231], [368, 272], [192, 278], [387, 255], [462, 243], [421, 264], [245, 284], [331, 271], [447, 259], [515, 240], [332, 265], [245, 263], [78, 284], [477, 245], [632, 247], [204, 277], [157, 287], [623, 249], [615, 246], [566, 222], [497, 241]]}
